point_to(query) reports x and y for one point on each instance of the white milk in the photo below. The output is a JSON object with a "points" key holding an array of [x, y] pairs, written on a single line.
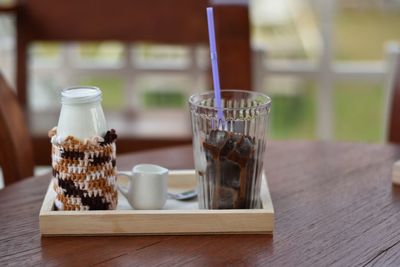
{"points": [[81, 113]]}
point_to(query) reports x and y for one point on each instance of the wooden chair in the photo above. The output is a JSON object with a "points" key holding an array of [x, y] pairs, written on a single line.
{"points": [[158, 21], [16, 154], [394, 114]]}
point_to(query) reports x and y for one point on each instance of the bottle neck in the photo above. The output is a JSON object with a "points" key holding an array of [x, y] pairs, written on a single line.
{"points": [[80, 95], [81, 115]]}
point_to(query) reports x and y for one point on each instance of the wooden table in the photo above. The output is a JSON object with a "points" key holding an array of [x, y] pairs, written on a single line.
{"points": [[334, 203]]}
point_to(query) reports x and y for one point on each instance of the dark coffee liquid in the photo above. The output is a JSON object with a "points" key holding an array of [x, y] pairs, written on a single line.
{"points": [[232, 170]]}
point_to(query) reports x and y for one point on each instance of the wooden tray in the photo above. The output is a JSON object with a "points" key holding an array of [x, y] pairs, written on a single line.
{"points": [[177, 217]]}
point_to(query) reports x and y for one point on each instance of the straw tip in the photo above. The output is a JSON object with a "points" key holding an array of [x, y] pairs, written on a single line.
{"points": [[209, 9]]}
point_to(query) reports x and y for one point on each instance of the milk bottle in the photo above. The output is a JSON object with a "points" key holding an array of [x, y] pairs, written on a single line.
{"points": [[83, 153]]}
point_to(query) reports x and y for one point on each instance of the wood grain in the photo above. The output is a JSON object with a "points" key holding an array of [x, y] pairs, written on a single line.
{"points": [[334, 205]]}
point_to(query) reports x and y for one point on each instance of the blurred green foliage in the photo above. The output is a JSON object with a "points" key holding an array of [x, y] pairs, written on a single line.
{"points": [[358, 111], [164, 99], [112, 88], [294, 116], [357, 105]]}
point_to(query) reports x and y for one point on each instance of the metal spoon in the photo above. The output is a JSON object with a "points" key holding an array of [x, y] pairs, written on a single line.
{"points": [[187, 195]]}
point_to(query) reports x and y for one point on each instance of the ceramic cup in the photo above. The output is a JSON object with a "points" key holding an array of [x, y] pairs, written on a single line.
{"points": [[147, 187]]}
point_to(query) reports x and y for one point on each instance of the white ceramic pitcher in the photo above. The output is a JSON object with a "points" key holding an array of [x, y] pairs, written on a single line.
{"points": [[147, 187]]}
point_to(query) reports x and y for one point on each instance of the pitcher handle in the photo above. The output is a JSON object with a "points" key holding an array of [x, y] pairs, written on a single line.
{"points": [[123, 189]]}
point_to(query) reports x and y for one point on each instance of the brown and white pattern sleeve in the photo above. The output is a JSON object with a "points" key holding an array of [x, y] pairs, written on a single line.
{"points": [[84, 172]]}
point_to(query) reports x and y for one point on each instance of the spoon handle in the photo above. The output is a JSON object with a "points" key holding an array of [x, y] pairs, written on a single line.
{"points": [[184, 195]]}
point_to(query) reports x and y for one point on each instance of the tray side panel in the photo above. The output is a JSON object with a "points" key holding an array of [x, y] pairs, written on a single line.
{"points": [[48, 199], [265, 195], [119, 224]]}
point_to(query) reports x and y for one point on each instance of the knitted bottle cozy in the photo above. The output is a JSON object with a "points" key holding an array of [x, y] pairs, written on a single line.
{"points": [[84, 173]]}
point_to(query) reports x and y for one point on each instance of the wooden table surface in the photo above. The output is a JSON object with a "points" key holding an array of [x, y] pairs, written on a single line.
{"points": [[334, 204]]}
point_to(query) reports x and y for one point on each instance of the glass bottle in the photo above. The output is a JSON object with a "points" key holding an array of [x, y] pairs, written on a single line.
{"points": [[83, 153]]}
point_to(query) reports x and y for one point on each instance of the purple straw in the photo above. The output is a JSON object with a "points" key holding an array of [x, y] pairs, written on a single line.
{"points": [[214, 63]]}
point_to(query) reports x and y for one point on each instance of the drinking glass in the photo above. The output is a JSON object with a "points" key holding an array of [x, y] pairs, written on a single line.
{"points": [[229, 150]]}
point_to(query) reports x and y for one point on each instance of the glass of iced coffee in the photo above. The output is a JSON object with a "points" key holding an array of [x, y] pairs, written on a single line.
{"points": [[229, 147]]}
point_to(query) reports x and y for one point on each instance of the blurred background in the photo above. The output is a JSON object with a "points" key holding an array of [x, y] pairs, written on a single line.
{"points": [[326, 64], [291, 40]]}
